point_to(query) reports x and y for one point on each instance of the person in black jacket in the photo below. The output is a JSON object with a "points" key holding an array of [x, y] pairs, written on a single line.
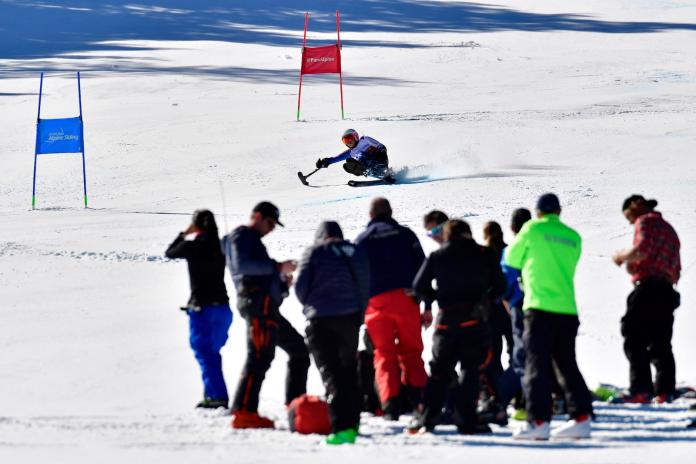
{"points": [[262, 284], [332, 285], [208, 307], [467, 276], [393, 318], [498, 318]]}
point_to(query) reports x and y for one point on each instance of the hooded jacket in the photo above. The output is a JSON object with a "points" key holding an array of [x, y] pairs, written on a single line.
{"points": [[333, 277]]}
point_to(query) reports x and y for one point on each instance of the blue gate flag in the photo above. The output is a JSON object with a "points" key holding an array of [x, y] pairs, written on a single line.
{"points": [[60, 136]]}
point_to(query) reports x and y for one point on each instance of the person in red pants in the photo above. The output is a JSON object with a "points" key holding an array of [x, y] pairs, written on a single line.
{"points": [[393, 318]]}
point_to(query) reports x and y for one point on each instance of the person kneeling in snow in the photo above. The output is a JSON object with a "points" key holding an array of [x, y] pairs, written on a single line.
{"points": [[365, 157]]}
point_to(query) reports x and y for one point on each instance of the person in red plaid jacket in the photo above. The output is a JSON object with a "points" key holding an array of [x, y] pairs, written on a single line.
{"points": [[654, 265]]}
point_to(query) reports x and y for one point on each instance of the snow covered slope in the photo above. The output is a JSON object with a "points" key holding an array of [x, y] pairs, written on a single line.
{"points": [[488, 105]]}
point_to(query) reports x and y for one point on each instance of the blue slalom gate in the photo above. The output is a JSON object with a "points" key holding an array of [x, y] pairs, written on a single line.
{"points": [[60, 135]]}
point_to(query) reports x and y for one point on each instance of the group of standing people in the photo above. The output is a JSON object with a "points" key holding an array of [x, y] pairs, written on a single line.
{"points": [[522, 292]]}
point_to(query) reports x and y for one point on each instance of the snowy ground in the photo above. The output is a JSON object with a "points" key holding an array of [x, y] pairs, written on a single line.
{"points": [[493, 103]]}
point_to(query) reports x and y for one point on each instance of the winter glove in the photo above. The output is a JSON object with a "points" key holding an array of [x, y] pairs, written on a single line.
{"points": [[322, 163]]}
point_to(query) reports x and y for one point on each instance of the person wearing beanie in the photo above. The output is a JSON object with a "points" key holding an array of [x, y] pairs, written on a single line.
{"points": [[654, 265], [208, 307], [547, 252], [332, 285]]}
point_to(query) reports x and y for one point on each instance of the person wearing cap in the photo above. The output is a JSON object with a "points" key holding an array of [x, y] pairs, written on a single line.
{"points": [[468, 276], [654, 265], [547, 252], [332, 285], [262, 284], [365, 156], [393, 318], [208, 307]]}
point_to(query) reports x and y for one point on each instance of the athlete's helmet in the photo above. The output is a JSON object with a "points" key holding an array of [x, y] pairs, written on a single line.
{"points": [[350, 135]]}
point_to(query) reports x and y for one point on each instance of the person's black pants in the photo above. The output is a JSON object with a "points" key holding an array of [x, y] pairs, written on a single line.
{"points": [[500, 325], [333, 342], [375, 166], [366, 377], [468, 346], [267, 329], [549, 341], [647, 332]]}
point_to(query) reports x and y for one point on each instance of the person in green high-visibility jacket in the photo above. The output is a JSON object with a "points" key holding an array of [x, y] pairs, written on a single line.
{"points": [[547, 252]]}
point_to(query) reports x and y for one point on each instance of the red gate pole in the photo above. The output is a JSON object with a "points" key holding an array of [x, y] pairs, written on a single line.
{"points": [[340, 69], [304, 43]]}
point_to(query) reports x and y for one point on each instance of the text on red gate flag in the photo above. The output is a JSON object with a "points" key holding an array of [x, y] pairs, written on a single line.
{"points": [[321, 60]]}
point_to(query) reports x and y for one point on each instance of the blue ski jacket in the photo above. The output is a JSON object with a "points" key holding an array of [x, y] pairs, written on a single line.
{"points": [[394, 252], [365, 151], [334, 275], [513, 294], [254, 273]]}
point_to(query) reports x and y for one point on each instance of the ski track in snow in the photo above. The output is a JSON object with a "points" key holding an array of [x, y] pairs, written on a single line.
{"points": [[483, 107], [9, 249], [617, 426]]}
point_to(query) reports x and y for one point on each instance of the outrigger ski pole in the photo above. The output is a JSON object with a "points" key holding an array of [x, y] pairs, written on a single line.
{"points": [[303, 178]]}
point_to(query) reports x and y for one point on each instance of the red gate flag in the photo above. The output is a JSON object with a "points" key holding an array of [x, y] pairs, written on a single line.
{"points": [[321, 60]]}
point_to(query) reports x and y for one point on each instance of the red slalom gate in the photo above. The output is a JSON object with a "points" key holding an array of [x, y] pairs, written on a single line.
{"points": [[321, 60]]}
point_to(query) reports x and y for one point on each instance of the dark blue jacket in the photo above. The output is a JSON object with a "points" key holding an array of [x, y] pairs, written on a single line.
{"points": [[394, 252], [254, 273], [325, 284]]}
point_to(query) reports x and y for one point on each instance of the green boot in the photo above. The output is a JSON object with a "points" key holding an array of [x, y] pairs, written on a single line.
{"points": [[342, 437], [519, 415]]}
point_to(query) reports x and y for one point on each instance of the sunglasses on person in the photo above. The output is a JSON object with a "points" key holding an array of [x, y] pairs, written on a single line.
{"points": [[435, 231]]}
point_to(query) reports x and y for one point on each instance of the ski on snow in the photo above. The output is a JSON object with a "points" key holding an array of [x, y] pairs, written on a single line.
{"points": [[367, 183]]}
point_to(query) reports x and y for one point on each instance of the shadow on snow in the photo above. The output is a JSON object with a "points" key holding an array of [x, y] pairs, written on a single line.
{"points": [[43, 30]]}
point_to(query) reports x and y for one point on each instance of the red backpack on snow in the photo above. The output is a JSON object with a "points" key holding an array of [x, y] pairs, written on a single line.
{"points": [[309, 414]]}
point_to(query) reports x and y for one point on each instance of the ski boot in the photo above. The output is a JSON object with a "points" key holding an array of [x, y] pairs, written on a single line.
{"points": [[342, 437], [213, 403], [251, 420]]}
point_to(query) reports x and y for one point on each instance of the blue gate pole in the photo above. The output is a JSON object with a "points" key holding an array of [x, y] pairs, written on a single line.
{"points": [[82, 139], [36, 149]]}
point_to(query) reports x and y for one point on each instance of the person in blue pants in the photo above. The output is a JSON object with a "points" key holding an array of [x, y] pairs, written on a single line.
{"points": [[208, 307]]}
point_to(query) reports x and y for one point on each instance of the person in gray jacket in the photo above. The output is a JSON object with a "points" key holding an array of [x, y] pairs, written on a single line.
{"points": [[332, 285]]}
